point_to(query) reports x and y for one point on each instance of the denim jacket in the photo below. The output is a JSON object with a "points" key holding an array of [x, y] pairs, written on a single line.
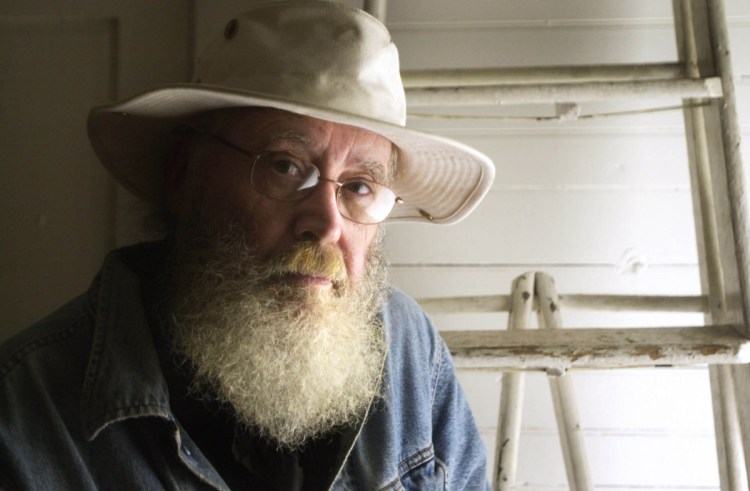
{"points": [[84, 405]]}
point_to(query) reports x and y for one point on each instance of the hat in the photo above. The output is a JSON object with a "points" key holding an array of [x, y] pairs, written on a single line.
{"points": [[314, 58]]}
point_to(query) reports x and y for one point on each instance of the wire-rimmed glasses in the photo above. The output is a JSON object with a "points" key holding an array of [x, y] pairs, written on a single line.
{"points": [[284, 176]]}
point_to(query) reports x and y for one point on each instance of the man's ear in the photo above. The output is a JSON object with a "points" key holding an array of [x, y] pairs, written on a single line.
{"points": [[176, 176]]}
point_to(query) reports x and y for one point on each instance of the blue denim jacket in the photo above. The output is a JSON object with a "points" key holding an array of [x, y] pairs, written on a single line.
{"points": [[84, 405]]}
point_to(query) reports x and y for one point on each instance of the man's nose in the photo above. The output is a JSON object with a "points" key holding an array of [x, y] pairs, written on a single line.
{"points": [[319, 218]]}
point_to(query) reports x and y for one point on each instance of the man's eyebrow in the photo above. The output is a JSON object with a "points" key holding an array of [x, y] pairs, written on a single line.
{"points": [[289, 135], [376, 170]]}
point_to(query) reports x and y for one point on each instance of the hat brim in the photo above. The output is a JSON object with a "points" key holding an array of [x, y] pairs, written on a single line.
{"points": [[440, 180]]}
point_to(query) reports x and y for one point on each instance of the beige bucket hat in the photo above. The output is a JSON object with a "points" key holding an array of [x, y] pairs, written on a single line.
{"points": [[314, 58]]}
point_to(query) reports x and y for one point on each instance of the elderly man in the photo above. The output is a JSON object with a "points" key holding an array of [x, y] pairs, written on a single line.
{"points": [[257, 346]]}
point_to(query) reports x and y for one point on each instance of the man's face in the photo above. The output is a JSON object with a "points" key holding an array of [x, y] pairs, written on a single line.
{"points": [[340, 152], [252, 277]]}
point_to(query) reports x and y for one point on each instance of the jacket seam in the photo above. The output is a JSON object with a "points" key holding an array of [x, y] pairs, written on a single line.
{"points": [[416, 459], [22, 352], [439, 362], [446, 471], [95, 353], [409, 463]]}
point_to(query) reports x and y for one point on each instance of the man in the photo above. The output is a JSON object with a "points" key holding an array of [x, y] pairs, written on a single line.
{"points": [[257, 346]]}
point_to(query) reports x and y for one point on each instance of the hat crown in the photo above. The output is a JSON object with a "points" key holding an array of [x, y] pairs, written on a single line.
{"points": [[318, 59], [315, 53]]}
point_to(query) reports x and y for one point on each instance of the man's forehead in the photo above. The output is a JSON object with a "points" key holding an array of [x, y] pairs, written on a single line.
{"points": [[284, 124], [262, 127]]}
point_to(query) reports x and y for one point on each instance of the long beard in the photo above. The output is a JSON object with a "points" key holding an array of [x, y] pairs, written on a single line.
{"points": [[292, 362]]}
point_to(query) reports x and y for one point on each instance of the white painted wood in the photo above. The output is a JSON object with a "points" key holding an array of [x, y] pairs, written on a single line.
{"points": [[511, 394], [709, 88], [426, 45], [622, 462], [729, 437], [563, 158], [517, 75], [563, 349], [556, 38], [458, 280], [563, 394], [501, 303], [596, 227], [633, 410], [741, 376], [730, 137], [699, 31], [633, 402], [547, 13], [615, 279]]}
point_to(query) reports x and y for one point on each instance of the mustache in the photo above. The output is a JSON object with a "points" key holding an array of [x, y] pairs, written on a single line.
{"points": [[309, 258]]}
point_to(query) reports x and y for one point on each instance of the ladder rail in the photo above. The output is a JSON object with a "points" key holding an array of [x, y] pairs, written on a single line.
{"points": [[563, 395], [511, 392], [711, 131]]}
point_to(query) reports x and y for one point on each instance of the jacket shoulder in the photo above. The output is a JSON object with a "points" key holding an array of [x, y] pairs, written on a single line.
{"points": [[407, 325], [69, 321]]}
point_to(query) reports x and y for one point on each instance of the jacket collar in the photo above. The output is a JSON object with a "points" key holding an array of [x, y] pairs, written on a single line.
{"points": [[123, 378]]}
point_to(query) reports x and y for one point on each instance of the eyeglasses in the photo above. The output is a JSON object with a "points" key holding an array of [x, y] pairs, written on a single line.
{"points": [[285, 177]]}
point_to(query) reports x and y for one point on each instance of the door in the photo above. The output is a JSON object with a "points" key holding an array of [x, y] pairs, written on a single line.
{"points": [[60, 212]]}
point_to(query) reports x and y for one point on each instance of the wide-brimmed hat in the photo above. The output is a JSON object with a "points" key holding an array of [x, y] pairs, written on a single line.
{"points": [[314, 58]]}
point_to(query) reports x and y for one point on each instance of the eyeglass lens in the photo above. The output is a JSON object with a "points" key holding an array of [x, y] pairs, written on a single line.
{"points": [[282, 176]]}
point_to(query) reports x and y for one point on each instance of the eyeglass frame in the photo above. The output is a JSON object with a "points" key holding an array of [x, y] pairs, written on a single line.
{"points": [[254, 157]]}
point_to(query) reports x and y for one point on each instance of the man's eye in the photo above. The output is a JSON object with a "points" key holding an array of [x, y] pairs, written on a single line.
{"points": [[286, 167], [359, 187]]}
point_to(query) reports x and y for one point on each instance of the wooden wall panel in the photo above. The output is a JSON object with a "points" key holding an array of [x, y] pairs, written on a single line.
{"points": [[434, 281], [542, 227]]}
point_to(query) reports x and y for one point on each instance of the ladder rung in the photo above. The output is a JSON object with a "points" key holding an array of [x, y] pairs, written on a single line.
{"points": [[621, 303], [466, 77], [561, 349], [564, 92]]}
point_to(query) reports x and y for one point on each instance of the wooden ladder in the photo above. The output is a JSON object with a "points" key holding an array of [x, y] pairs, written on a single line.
{"points": [[702, 78]]}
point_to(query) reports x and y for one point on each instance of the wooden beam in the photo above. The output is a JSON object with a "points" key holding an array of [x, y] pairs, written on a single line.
{"points": [[620, 303], [563, 349], [472, 77], [563, 92]]}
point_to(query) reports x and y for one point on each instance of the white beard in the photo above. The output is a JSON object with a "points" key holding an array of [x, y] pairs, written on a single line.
{"points": [[293, 363]]}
